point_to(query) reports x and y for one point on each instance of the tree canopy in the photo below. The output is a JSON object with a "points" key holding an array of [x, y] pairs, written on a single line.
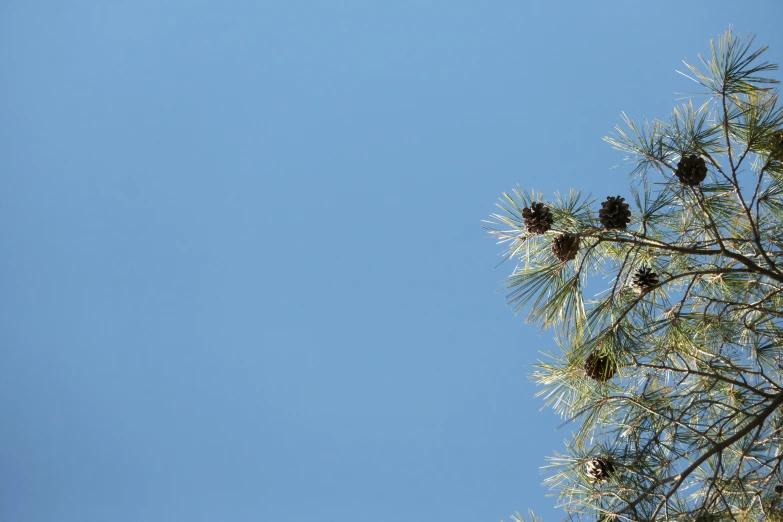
{"points": [[673, 372]]}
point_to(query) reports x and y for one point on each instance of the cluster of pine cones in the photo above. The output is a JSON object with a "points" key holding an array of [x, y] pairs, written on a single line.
{"points": [[601, 367], [614, 214], [538, 219]]}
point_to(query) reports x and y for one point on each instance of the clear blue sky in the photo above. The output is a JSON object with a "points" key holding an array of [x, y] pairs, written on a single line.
{"points": [[243, 275]]}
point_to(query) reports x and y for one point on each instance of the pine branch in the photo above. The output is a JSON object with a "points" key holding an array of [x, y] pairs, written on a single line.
{"points": [[674, 371]]}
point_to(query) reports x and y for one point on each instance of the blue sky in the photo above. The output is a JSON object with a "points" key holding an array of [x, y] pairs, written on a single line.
{"points": [[243, 269]]}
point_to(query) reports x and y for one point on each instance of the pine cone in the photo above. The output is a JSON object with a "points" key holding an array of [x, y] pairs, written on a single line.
{"points": [[644, 280], [599, 470], [600, 367], [614, 213], [565, 247], [691, 170], [779, 489], [776, 145], [538, 219]]}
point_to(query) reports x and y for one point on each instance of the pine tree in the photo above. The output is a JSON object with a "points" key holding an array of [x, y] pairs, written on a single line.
{"points": [[674, 373]]}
